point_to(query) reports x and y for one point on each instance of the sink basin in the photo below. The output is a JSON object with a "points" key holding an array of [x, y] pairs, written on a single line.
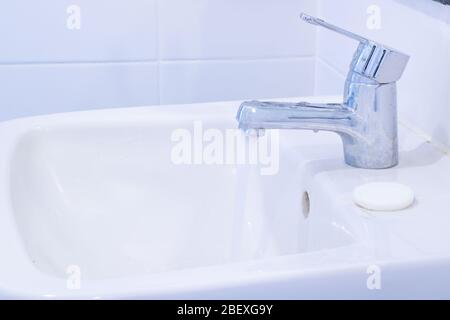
{"points": [[100, 191]]}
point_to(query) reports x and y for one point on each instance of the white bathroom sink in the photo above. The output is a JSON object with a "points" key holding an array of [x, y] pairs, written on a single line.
{"points": [[99, 191]]}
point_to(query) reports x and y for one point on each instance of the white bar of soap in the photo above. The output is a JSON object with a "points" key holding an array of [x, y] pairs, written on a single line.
{"points": [[383, 196]]}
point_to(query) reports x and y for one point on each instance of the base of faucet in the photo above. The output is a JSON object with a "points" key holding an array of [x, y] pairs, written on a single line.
{"points": [[371, 163]]}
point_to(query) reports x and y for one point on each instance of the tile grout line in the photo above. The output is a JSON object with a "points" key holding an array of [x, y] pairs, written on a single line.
{"points": [[424, 135], [157, 61], [331, 66]]}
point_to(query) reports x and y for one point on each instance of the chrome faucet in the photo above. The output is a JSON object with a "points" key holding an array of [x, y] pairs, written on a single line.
{"points": [[366, 121]]}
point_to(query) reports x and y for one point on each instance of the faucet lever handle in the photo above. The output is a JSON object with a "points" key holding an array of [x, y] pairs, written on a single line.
{"points": [[372, 60], [319, 22]]}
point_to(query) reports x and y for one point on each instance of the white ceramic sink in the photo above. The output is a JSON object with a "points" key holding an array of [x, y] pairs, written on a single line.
{"points": [[99, 191]]}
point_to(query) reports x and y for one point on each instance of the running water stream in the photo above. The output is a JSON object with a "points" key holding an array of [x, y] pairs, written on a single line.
{"points": [[250, 236]]}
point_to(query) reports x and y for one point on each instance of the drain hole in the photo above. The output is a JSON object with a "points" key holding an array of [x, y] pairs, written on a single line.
{"points": [[306, 206]]}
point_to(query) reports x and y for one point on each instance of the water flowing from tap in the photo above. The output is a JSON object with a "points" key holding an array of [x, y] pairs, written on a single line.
{"points": [[250, 237]]}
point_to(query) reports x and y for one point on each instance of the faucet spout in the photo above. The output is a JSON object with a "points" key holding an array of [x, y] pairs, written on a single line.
{"points": [[303, 115]]}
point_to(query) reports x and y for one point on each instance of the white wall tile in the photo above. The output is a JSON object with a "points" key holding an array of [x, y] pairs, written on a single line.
{"points": [[28, 90], [195, 81], [261, 48], [419, 28], [329, 81], [205, 29], [111, 30]]}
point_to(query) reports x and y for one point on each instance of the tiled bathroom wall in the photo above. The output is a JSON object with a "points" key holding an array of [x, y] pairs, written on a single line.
{"points": [[68, 55], [420, 28]]}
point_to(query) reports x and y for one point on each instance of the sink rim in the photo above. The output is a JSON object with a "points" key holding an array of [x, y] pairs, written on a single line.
{"points": [[13, 131], [50, 287]]}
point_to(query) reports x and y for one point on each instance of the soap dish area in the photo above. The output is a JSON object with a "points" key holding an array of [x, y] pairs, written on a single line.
{"points": [[383, 196]]}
